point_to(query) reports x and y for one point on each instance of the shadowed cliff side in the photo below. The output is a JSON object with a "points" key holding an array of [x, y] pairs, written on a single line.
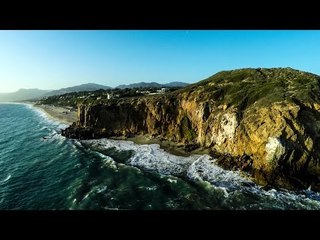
{"points": [[265, 121]]}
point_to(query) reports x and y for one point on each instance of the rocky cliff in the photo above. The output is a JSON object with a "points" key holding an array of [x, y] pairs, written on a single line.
{"points": [[265, 121]]}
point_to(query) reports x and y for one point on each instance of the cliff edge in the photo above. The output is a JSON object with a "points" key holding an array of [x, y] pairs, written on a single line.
{"points": [[264, 121]]}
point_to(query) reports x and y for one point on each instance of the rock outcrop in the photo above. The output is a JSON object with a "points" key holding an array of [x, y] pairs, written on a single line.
{"points": [[265, 121]]}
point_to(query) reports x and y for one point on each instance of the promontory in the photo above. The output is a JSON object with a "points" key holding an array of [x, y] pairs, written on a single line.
{"points": [[262, 121]]}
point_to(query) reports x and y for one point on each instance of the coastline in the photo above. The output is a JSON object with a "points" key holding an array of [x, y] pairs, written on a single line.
{"points": [[169, 146], [68, 116], [61, 114]]}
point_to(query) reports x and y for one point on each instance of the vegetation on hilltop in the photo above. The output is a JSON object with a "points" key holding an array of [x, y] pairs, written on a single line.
{"points": [[260, 87], [100, 96]]}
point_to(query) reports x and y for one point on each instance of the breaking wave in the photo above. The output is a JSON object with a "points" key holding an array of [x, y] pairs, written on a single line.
{"points": [[236, 190]]}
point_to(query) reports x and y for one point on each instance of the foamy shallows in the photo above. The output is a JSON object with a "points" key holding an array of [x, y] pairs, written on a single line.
{"points": [[44, 116], [147, 157], [150, 157], [203, 170]]}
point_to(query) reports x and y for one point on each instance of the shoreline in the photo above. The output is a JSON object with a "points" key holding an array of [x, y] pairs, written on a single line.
{"points": [[69, 116], [169, 146], [61, 114]]}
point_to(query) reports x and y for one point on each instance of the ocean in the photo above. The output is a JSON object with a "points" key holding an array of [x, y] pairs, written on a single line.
{"points": [[41, 170]]}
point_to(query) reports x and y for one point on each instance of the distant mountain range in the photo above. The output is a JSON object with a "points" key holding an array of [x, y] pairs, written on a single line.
{"points": [[79, 88], [31, 94], [22, 94], [152, 85]]}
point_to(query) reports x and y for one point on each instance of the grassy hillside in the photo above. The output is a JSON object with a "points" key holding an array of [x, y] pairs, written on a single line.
{"points": [[260, 87]]}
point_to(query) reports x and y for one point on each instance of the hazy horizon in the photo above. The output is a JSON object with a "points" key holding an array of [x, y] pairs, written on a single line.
{"points": [[65, 87], [52, 60]]}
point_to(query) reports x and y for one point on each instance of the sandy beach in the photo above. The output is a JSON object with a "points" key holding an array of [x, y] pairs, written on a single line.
{"points": [[61, 114]]}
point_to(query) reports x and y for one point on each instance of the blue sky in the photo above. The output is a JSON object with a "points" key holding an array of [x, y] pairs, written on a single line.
{"points": [[56, 59]]}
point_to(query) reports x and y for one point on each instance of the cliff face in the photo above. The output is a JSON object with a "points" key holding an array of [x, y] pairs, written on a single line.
{"points": [[266, 120]]}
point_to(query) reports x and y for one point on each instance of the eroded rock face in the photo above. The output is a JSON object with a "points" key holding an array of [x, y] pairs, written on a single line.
{"points": [[269, 116], [275, 150], [227, 129]]}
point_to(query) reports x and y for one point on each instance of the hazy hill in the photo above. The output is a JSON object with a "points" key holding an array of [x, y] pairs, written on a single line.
{"points": [[22, 94], [176, 84], [29, 94], [78, 88], [152, 85]]}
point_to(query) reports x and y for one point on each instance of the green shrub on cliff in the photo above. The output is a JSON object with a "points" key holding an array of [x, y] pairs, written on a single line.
{"points": [[186, 129], [245, 87]]}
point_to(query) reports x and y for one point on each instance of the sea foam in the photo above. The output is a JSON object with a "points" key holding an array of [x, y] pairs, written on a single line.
{"points": [[150, 157], [203, 169], [44, 116], [6, 179]]}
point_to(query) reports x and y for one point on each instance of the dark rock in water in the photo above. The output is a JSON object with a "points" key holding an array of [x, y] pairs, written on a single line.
{"points": [[264, 121], [267, 187], [82, 133], [191, 147]]}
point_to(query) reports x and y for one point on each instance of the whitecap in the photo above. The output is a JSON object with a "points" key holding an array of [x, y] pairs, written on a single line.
{"points": [[6, 179], [170, 180], [86, 196], [108, 208], [101, 189], [151, 188]]}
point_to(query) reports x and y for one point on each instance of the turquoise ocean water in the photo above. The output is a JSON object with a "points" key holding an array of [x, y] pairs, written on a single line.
{"points": [[40, 169]]}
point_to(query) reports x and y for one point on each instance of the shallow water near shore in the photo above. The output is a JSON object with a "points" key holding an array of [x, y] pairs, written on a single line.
{"points": [[40, 169]]}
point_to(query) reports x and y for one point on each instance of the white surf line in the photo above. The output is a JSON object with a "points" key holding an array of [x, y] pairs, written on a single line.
{"points": [[6, 179]]}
